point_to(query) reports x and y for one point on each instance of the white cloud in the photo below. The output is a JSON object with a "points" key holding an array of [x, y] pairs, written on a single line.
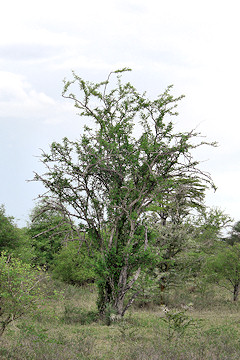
{"points": [[18, 99], [15, 89]]}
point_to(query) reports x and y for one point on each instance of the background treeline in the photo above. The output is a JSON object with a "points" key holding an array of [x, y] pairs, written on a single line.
{"points": [[197, 250]]}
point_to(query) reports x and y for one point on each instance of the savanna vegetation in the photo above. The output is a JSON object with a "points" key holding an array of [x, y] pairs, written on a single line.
{"points": [[121, 258]]}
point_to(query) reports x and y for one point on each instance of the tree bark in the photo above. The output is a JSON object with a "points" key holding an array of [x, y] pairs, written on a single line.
{"points": [[235, 292]]}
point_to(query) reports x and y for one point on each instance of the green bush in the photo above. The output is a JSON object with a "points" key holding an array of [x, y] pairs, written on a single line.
{"points": [[73, 265], [19, 289], [10, 236], [47, 231]]}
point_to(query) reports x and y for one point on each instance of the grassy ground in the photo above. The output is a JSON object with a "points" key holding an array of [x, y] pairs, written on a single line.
{"points": [[66, 327]]}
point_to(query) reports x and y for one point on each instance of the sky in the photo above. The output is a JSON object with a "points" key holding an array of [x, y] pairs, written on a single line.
{"points": [[193, 45]]}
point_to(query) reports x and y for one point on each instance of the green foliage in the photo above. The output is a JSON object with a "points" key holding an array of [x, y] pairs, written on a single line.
{"points": [[13, 239], [208, 227], [9, 233], [24, 250], [73, 265], [234, 236], [177, 321], [108, 268], [19, 289], [203, 237], [47, 230], [223, 269], [190, 263]]}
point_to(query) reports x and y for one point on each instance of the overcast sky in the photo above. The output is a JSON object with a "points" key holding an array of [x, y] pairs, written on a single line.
{"points": [[191, 44]]}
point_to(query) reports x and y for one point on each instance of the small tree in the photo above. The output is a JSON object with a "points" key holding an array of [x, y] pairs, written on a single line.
{"points": [[224, 269], [106, 182], [48, 231], [19, 289], [9, 235]]}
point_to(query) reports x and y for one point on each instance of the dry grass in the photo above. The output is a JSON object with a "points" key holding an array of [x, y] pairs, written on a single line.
{"points": [[50, 334]]}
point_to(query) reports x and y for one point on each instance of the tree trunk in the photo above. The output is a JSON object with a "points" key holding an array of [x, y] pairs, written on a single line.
{"points": [[104, 297], [111, 296], [4, 325], [235, 292]]}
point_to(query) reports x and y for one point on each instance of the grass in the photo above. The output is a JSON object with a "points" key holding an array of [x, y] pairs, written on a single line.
{"points": [[66, 327]]}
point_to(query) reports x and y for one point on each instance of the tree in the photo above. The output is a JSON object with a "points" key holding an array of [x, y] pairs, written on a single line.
{"points": [[209, 225], [205, 235], [48, 230], [9, 235], [175, 234], [19, 289], [13, 239], [108, 180], [171, 241], [223, 269], [234, 236]]}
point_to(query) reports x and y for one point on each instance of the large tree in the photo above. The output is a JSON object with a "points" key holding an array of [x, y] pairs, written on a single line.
{"points": [[108, 180]]}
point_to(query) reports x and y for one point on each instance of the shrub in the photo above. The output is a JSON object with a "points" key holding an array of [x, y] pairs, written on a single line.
{"points": [[9, 233], [19, 289], [177, 321], [73, 265]]}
